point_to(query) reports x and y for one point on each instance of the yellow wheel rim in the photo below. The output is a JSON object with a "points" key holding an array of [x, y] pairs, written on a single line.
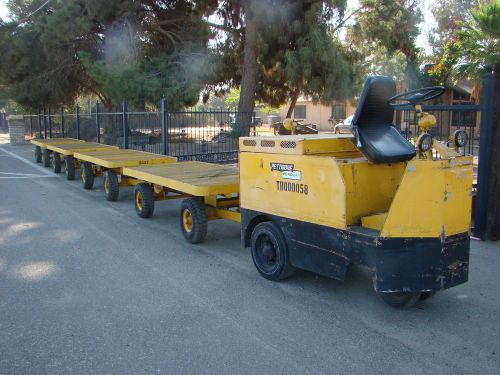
{"points": [[138, 200], [106, 185], [187, 220]]}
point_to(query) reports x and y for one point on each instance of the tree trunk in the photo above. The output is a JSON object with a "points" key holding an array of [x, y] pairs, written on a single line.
{"points": [[294, 97], [246, 104]]}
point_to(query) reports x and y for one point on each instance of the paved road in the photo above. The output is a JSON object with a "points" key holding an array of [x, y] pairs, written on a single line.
{"points": [[88, 287]]}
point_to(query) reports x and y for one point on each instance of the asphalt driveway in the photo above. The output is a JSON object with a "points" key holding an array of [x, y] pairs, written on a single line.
{"points": [[88, 287]]}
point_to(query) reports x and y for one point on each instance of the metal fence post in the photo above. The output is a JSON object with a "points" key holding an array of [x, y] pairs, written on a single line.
{"points": [[97, 122], [50, 123], [44, 124], [31, 126], [485, 139], [39, 125], [125, 125], [62, 120], [164, 126], [77, 121]]}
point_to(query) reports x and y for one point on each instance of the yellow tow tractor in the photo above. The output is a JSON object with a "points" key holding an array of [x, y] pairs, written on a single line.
{"points": [[324, 202]]}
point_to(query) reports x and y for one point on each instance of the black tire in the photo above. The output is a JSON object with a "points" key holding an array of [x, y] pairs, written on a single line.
{"points": [[111, 186], [69, 161], [400, 300], [193, 220], [46, 158], [38, 154], [56, 162], [270, 252], [87, 175], [144, 200], [426, 295]]}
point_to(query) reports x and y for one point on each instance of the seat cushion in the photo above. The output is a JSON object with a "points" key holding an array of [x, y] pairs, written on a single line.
{"points": [[384, 144]]}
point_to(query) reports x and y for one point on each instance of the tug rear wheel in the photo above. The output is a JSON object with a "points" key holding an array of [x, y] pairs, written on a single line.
{"points": [[270, 252], [400, 300], [56, 162], [111, 186], [70, 167], [46, 158], [193, 220], [38, 154], [144, 200], [87, 176]]}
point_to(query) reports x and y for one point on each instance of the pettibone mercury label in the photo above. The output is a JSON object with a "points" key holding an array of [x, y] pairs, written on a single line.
{"points": [[292, 175], [281, 167]]}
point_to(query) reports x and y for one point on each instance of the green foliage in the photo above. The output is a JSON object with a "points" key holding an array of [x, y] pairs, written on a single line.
{"points": [[474, 48], [392, 26], [117, 49]]}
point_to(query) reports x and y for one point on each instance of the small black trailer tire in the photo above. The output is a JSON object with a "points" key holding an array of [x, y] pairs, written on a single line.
{"points": [[69, 161], [46, 158], [87, 175], [38, 154], [193, 220], [144, 200], [56, 162], [270, 252], [111, 186]]}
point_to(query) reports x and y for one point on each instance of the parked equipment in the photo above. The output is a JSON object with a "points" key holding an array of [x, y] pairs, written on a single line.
{"points": [[325, 202], [291, 127]]}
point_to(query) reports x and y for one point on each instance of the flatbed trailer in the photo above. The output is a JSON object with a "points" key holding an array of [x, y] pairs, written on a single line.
{"points": [[59, 154], [110, 164], [41, 144], [209, 191]]}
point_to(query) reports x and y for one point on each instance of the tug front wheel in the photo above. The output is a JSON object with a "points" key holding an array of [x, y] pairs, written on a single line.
{"points": [[270, 252], [400, 300], [193, 220]]}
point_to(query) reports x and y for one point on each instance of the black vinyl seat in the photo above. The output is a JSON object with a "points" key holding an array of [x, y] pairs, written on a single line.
{"points": [[380, 141]]}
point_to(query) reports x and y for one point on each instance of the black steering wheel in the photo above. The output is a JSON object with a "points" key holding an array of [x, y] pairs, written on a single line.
{"points": [[417, 96]]}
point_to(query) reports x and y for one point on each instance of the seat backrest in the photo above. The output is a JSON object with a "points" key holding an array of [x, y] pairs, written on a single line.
{"points": [[373, 109], [380, 141]]}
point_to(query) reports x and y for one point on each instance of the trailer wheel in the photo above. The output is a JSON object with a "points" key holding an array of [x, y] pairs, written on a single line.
{"points": [[87, 176], [193, 220], [38, 154], [400, 300], [70, 167], [111, 186], [56, 162], [270, 252], [144, 200], [46, 157]]}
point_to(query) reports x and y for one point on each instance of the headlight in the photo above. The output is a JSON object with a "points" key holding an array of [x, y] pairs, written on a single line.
{"points": [[425, 142], [460, 138]]}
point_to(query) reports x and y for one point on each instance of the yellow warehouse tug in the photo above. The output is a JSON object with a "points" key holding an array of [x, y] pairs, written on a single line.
{"points": [[373, 198]]}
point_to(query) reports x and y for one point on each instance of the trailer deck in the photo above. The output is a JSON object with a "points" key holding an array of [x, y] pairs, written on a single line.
{"points": [[120, 158], [68, 149], [43, 142], [110, 164], [191, 177]]}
